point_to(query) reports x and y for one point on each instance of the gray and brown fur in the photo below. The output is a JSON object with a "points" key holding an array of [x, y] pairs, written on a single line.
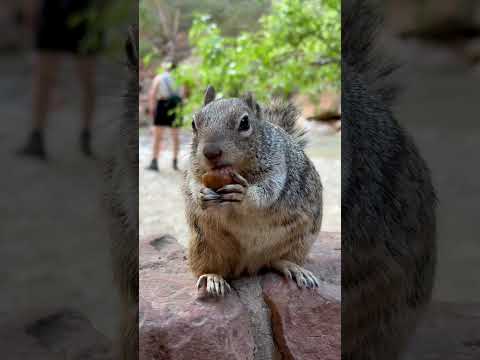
{"points": [[277, 217], [121, 200], [388, 206]]}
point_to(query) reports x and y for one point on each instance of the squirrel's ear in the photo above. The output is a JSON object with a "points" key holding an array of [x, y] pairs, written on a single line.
{"points": [[252, 104], [209, 95]]}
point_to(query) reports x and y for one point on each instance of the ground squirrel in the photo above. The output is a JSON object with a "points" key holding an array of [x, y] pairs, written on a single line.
{"points": [[271, 214], [388, 205]]}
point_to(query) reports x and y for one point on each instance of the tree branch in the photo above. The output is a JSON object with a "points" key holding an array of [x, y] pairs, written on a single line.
{"points": [[324, 62]]}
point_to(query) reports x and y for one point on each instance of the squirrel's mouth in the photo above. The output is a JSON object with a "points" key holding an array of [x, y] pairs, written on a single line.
{"points": [[222, 166], [217, 168]]}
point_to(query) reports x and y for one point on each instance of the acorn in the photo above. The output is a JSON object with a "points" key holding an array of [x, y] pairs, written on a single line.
{"points": [[216, 179]]}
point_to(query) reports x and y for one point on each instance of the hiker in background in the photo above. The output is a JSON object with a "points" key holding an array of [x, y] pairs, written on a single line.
{"points": [[164, 101], [54, 38]]}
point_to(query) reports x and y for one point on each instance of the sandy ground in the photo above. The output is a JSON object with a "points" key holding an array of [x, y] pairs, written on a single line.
{"points": [[161, 204]]}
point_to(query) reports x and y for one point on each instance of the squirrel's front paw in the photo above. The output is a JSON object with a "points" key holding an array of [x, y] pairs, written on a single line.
{"points": [[302, 277], [215, 284], [232, 193]]}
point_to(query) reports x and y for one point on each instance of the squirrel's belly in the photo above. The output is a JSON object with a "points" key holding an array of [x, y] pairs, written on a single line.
{"points": [[260, 245], [260, 237]]}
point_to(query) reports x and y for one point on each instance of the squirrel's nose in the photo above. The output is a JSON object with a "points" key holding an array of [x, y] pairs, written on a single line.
{"points": [[212, 151]]}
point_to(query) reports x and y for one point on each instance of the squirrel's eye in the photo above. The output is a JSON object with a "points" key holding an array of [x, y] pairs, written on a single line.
{"points": [[244, 123]]}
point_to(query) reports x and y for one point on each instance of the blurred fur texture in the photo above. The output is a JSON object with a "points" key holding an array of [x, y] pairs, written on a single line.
{"points": [[122, 207], [388, 205]]}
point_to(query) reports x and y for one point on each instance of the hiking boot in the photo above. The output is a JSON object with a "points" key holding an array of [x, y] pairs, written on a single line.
{"points": [[153, 165], [86, 143], [34, 147]]}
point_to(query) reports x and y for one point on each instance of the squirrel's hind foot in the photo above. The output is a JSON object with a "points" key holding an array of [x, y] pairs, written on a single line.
{"points": [[292, 271], [215, 284]]}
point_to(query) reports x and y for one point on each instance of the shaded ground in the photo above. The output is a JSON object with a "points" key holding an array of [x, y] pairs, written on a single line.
{"points": [[161, 204], [54, 244], [439, 105]]}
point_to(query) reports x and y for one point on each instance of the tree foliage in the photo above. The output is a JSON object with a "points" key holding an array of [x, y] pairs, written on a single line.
{"points": [[158, 20], [107, 24], [295, 49]]}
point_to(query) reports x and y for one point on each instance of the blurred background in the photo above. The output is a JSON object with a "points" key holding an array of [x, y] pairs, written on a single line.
{"points": [[60, 105], [437, 45], [281, 48], [54, 245]]}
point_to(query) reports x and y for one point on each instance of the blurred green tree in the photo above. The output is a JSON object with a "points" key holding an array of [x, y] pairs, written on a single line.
{"points": [[107, 23], [295, 49], [162, 20]]}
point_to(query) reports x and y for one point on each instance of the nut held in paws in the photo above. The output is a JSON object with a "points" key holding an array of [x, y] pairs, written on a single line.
{"points": [[216, 179]]}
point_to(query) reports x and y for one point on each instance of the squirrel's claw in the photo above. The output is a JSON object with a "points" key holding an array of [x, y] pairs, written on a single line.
{"points": [[303, 277], [313, 280], [287, 273], [232, 188], [208, 193], [232, 193], [239, 179], [228, 193], [208, 197], [201, 280], [215, 284]]}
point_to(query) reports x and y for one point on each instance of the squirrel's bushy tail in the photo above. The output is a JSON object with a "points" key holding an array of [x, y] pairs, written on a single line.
{"points": [[361, 23], [285, 115]]}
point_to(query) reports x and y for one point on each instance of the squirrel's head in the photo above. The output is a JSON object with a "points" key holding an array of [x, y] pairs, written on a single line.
{"points": [[225, 133]]}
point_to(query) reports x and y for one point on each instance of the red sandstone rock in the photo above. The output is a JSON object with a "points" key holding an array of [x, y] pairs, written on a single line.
{"points": [[324, 259], [306, 323], [176, 324], [163, 254]]}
